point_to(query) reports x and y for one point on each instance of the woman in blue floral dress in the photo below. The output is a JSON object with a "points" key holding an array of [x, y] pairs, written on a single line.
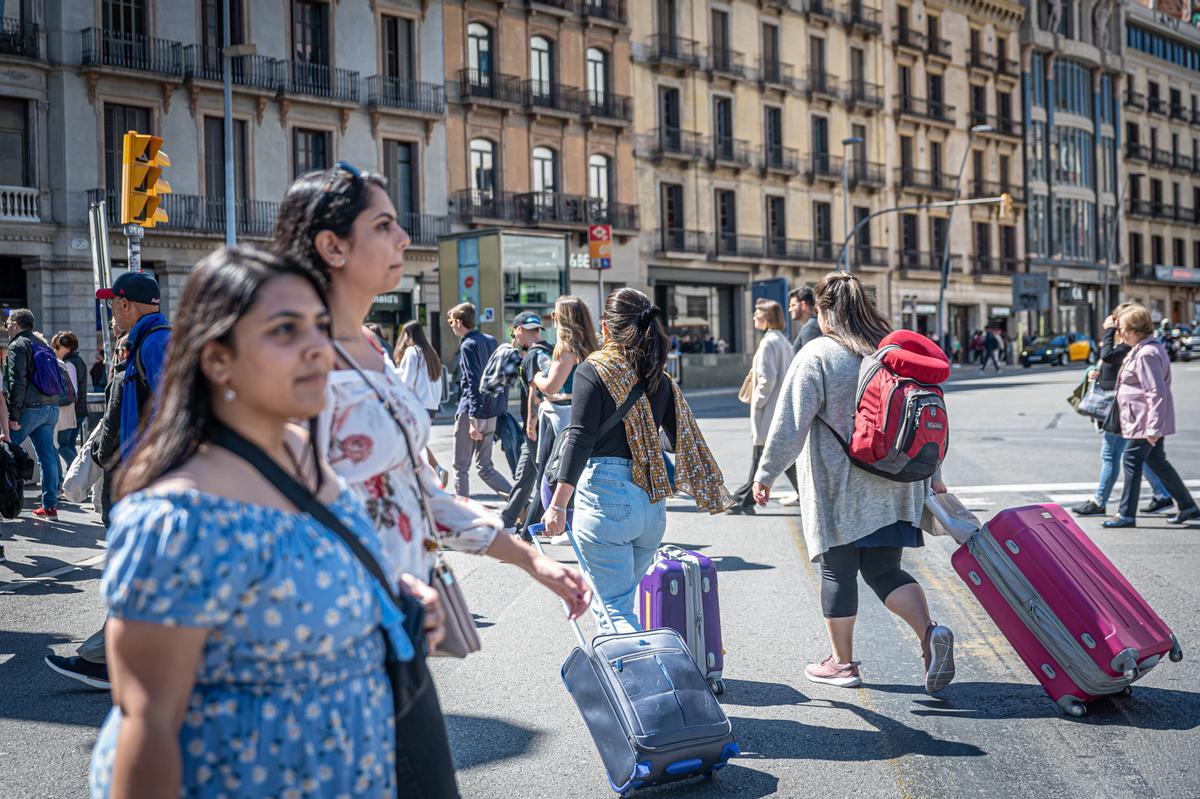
{"points": [[245, 639]]}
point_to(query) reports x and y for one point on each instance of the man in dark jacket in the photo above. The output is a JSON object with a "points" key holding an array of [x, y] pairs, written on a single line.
{"points": [[802, 307], [1112, 355], [475, 420], [32, 414]]}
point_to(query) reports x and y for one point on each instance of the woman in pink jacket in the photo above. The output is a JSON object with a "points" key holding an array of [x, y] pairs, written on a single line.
{"points": [[1147, 413]]}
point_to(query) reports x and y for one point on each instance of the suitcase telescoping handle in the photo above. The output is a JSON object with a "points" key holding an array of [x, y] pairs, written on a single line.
{"points": [[535, 530]]}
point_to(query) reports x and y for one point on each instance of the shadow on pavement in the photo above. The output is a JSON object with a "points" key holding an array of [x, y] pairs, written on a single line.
{"points": [[1147, 708], [477, 740], [34, 693], [751, 693], [733, 780], [775, 739], [734, 563]]}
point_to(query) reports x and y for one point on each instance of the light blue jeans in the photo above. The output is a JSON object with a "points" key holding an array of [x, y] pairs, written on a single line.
{"points": [[37, 423], [618, 530], [1110, 467]]}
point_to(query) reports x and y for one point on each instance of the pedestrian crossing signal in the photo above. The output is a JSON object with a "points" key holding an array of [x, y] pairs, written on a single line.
{"points": [[142, 183]]}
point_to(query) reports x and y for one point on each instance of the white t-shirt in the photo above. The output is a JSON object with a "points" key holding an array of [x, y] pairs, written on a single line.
{"points": [[66, 413], [415, 374]]}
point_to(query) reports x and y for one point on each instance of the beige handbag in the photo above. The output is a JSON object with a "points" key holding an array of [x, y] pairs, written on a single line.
{"points": [[461, 637], [746, 392]]}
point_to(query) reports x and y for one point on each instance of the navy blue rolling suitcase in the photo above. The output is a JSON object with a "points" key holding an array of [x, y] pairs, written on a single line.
{"points": [[647, 705]]}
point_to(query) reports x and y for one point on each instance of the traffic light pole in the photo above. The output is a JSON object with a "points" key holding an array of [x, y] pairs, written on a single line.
{"points": [[134, 234], [227, 64]]}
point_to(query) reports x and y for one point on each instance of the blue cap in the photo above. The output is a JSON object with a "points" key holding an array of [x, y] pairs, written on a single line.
{"points": [[132, 286]]}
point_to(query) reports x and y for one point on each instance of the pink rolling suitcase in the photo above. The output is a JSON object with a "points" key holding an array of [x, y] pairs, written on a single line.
{"points": [[680, 592], [1075, 620]]}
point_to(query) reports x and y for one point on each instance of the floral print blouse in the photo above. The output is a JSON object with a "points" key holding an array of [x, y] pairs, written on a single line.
{"points": [[361, 441]]}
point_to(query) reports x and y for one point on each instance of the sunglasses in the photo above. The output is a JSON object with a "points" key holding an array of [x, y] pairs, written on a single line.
{"points": [[336, 186]]}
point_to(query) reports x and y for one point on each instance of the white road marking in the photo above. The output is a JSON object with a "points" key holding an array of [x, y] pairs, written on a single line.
{"points": [[24, 582], [1041, 488]]}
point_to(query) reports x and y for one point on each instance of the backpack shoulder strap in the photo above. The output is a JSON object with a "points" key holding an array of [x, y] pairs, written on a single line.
{"points": [[138, 367]]}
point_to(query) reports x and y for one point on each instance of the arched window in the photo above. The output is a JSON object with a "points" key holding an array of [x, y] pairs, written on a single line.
{"points": [[483, 167], [541, 66], [545, 170], [600, 179], [597, 76], [479, 53]]}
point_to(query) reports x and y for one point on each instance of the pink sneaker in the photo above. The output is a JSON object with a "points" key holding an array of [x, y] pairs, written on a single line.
{"points": [[937, 649], [830, 672]]}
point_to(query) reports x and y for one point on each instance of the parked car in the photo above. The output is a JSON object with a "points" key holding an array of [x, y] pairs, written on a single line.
{"points": [[1061, 350], [1189, 342]]}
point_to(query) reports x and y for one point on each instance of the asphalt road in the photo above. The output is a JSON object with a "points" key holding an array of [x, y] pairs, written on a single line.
{"points": [[517, 734]]}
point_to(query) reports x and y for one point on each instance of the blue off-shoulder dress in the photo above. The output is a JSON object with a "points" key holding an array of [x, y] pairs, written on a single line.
{"points": [[291, 697]]}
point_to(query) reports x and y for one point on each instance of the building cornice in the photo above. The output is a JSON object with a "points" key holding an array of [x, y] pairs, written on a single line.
{"points": [[1005, 11]]}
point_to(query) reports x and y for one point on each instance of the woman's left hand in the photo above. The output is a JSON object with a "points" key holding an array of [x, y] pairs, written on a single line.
{"points": [[565, 581], [937, 486], [1153, 440], [762, 494], [555, 521], [435, 614]]}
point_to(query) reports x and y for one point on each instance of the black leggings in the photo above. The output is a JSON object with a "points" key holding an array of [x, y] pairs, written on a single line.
{"points": [[840, 566]]}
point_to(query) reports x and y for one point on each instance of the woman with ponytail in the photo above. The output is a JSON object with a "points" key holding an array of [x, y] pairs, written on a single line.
{"points": [[621, 479]]}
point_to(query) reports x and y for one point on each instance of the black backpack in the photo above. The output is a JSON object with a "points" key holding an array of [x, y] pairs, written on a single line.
{"points": [[139, 369], [12, 479]]}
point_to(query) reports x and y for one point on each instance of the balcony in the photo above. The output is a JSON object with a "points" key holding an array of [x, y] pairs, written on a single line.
{"points": [[821, 84], [199, 214], [425, 229], [823, 166], [605, 106], [726, 62], [1139, 208], [925, 261], [551, 207], [819, 11], [775, 75], [678, 240], [476, 85], [983, 188], [667, 50], [621, 216], [1177, 111], [863, 18], [683, 145], [1156, 105], [474, 205], [19, 204], [1000, 125], [861, 94], [20, 38], [410, 95], [937, 48], [982, 60], [608, 10], [936, 110], [1183, 162], [109, 48], [727, 151], [909, 38], [321, 80], [924, 180], [546, 95], [864, 255], [1136, 152], [1161, 157], [1195, 117], [253, 71], [991, 265], [868, 174], [726, 245], [779, 159], [1135, 100], [1008, 67]]}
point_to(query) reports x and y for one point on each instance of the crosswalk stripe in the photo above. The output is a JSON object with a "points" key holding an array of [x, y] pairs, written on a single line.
{"points": [[1035, 488]]}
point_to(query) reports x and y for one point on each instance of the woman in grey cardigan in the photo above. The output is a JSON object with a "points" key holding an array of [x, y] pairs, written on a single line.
{"points": [[854, 522], [771, 362]]}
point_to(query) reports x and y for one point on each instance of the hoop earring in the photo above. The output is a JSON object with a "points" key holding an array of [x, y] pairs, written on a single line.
{"points": [[230, 395]]}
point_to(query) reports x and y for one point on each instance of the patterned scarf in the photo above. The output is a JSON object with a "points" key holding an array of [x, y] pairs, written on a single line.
{"points": [[696, 471]]}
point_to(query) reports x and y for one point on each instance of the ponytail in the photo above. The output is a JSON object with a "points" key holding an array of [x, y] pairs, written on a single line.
{"points": [[635, 327]]}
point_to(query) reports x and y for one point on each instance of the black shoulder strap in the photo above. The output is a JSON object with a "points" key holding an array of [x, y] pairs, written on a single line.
{"points": [[635, 394], [138, 367], [302, 498]]}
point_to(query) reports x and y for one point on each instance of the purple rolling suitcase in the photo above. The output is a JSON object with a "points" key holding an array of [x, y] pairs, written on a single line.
{"points": [[680, 592]]}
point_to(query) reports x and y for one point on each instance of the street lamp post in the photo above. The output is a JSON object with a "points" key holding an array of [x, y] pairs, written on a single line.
{"points": [[962, 167], [847, 143], [227, 89]]}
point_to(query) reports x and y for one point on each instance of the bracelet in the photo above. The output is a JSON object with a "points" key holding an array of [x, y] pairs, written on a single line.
{"points": [[558, 508]]}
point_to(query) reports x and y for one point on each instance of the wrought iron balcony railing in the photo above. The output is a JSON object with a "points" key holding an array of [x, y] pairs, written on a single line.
{"points": [[111, 48], [20, 38], [412, 95], [611, 10], [477, 84], [205, 63], [321, 80], [682, 241]]}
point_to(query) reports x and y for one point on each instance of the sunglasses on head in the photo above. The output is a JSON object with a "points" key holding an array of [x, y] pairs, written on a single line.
{"points": [[335, 187]]}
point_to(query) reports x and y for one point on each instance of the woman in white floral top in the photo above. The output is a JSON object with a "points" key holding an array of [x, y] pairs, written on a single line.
{"points": [[343, 224]]}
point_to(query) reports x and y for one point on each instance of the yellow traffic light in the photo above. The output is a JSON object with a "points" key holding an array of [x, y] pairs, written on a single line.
{"points": [[142, 166], [1006, 205]]}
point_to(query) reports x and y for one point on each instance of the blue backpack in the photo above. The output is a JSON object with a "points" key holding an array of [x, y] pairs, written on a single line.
{"points": [[46, 375]]}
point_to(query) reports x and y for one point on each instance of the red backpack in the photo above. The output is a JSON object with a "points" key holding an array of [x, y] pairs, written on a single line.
{"points": [[901, 428]]}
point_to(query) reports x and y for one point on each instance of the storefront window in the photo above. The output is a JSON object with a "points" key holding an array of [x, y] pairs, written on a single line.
{"points": [[699, 318], [535, 275]]}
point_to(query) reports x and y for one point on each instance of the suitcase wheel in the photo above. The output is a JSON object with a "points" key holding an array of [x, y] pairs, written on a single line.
{"points": [[1126, 691], [1176, 650], [717, 687], [1074, 708]]}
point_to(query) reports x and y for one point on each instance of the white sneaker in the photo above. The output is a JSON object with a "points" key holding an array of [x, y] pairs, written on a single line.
{"points": [[561, 540], [789, 500]]}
